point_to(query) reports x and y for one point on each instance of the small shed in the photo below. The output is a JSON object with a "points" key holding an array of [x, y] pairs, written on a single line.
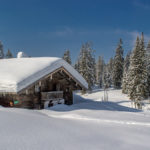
{"points": [[38, 82]]}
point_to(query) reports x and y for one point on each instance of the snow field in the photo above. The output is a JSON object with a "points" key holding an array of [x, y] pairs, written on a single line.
{"points": [[88, 124]]}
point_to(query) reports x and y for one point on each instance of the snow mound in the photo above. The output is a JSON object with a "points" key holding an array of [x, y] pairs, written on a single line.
{"points": [[21, 55], [16, 74]]}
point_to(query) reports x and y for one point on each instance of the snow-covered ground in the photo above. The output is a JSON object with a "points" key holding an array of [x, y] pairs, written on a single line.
{"points": [[89, 124]]}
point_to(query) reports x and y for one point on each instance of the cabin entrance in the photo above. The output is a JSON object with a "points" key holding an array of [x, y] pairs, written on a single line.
{"points": [[58, 89], [52, 98]]}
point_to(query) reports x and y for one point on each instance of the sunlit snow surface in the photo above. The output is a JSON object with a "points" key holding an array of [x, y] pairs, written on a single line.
{"points": [[89, 124]]}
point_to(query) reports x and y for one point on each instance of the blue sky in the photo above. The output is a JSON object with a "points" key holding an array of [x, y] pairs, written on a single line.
{"points": [[48, 27]]}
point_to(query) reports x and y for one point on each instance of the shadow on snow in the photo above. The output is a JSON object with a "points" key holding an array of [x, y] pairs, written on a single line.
{"points": [[81, 103]]}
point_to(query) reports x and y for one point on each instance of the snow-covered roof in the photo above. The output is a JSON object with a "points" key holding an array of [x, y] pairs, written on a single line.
{"points": [[18, 73]]}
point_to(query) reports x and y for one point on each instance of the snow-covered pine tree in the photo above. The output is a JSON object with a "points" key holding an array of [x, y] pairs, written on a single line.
{"points": [[125, 73], [1, 51], [148, 48], [99, 71], [148, 55], [110, 71], [148, 65], [86, 64], [118, 66], [138, 73], [67, 57], [143, 88], [106, 77], [76, 65], [9, 54], [91, 63], [133, 70], [90, 59]]}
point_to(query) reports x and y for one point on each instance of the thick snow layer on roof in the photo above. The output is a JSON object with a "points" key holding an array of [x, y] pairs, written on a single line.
{"points": [[16, 74]]}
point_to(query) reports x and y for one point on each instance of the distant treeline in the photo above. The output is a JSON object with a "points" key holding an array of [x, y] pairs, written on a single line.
{"points": [[2, 55]]}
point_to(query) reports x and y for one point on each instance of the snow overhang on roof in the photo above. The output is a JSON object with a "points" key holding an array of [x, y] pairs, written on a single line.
{"points": [[18, 73]]}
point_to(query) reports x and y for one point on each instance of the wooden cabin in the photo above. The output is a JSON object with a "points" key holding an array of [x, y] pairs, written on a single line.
{"points": [[38, 82]]}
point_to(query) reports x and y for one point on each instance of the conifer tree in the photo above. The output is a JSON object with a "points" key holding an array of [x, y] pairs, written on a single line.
{"points": [[1, 51], [125, 73], [148, 48], [148, 65], [86, 64], [9, 54], [138, 73], [148, 55], [118, 66], [67, 57], [110, 71], [99, 71], [76, 66], [106, 77]]}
